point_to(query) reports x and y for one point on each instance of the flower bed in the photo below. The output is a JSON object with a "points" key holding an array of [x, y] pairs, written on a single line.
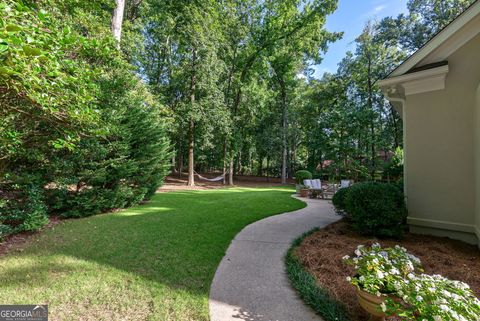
{"points": [[322, 253]]}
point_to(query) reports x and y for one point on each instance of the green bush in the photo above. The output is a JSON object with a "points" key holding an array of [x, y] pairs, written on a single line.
{"points": [[302, 175], [5, 230], [393, 170], [90, 129], [338, 199], [399, 184], [24, 211], [376, 209]]}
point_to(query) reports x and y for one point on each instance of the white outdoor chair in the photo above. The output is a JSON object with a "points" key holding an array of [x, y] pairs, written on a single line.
{"points": [[308, 183], [315, 186], [344, 183]]}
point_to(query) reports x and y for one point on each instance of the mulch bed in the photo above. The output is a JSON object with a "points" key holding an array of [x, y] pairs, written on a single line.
{"points": [[16, 241], [321, 254]]}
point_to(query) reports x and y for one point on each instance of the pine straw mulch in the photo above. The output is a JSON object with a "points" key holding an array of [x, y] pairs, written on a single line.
{"points": [[321, 254], [18, 240]]}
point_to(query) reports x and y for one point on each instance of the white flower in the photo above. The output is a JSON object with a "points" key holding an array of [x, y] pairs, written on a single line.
{"points": [[380, 275], [395, 271], [383, 306], [346, 257], [444, 308], [349, 279], [419, 298], [358, 253], [437, 318]]}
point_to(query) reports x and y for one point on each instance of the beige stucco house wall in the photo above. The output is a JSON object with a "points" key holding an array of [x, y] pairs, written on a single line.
{"points": [[437, 92], [477, 162]]}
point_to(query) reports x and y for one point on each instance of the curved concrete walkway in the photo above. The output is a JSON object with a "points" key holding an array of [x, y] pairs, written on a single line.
{"points": [[250, 282]]}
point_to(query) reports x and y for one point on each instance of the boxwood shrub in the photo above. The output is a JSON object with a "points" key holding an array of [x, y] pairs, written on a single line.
{"points": [[302, 175], [338, 199], [376, 209]]}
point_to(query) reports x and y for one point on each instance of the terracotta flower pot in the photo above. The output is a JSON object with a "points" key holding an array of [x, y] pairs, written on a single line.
{"points": [[304, 192], [371, 303]]}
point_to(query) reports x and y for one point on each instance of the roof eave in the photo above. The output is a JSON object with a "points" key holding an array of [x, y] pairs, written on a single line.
{"points": [[472, 13]]}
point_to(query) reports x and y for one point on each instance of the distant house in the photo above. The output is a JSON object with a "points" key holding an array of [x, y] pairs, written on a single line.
{"points": [[437, 92]]}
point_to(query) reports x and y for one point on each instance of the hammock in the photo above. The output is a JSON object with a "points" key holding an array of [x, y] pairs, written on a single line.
{"points": [[215, 179]]}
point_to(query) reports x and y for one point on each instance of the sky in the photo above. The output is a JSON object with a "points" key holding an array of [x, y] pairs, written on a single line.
{"points": [[350, 17]]}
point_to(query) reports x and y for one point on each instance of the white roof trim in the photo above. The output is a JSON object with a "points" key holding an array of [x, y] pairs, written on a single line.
{"points": [[419, 75], [468, 19]]}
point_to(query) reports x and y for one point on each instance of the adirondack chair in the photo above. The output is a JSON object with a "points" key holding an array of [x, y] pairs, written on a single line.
{"points": [[315, 186], [345, 183]]}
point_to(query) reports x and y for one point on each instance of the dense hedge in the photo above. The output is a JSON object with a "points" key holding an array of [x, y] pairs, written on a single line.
{"points": [[80, 132], [376, 209], [301, 175], [338, 199]]}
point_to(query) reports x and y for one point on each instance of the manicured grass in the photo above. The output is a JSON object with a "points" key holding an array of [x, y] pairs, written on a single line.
{"points": [[154, 261], [311, 293]]}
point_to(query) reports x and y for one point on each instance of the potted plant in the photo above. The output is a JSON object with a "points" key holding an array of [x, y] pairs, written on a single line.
{"points": [[304, 191], [300, 176], [387, 284], [378, 272]]}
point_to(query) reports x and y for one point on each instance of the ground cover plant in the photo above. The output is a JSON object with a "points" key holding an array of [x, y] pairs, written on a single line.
{"points": [[315, 296], [154, 261], [321, 255]]}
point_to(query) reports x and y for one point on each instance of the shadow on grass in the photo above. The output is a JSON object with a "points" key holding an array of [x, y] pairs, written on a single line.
{"points": [[177, 239]]}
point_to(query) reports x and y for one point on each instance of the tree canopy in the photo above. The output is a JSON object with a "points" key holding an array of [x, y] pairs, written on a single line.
{"points": [[100, 99]]}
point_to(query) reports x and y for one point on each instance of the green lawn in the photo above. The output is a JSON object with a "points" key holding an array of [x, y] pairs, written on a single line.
{"points": [[154, 261]]}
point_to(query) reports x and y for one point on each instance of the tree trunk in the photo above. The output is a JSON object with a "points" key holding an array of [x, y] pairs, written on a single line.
{"points": [[396, 139], [117, 20], [180, 161], [239, 160], [230, 174], [284, 134], [225, 162], [191, 177], [372, 120], [268, 168], [250, 162], [260, 166], [191, 134], [293, 159]]}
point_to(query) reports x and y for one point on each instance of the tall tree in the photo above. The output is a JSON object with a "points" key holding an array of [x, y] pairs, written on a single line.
{"points": [[117, 20], [181, 63], [271, 22]]}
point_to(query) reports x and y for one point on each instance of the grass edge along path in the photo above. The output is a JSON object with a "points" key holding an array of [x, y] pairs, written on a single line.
{"points": [[311, 293], [151, 262]]}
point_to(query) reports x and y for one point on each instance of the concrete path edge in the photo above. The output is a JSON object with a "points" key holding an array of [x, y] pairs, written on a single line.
{"points": [[251, 282]]}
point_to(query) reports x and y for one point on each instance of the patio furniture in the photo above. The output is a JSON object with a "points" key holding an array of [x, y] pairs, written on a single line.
{"points": [[315, 187], [345, 183]]}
